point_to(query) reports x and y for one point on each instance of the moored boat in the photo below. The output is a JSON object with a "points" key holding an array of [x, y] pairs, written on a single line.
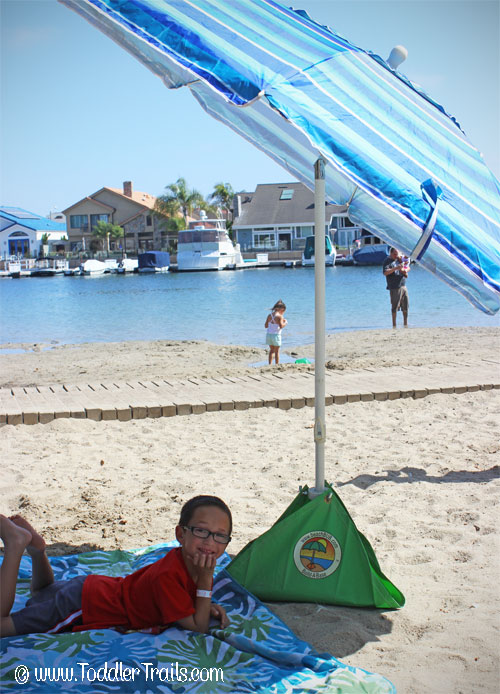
{"points": [[127, 265], [48, 267], [206, 246], [308, 254], [93, 267], [370, 250], [111, 265], [153, 261]]}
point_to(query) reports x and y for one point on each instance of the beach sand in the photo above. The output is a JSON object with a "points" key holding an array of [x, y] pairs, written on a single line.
{"points": [[44, 364], [419, 477]]}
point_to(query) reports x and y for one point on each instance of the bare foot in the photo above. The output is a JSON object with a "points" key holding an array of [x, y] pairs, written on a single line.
{"points": [[12, 535], [37, 543]]}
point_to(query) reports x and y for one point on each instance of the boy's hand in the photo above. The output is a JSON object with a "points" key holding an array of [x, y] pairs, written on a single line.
{"points": [[204, 566], [205, 561], [219, 613]]}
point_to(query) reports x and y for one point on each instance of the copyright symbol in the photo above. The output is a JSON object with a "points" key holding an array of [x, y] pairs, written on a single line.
{"points": [[21, 674]]}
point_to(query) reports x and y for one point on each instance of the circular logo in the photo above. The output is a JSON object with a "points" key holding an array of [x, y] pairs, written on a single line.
{"points": [[317, 554]]}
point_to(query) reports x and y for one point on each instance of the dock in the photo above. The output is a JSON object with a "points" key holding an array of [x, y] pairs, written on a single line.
{"points": [[139, 399]]}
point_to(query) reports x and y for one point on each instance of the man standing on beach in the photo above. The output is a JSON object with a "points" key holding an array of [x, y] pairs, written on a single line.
{"points": [[396, 271]]}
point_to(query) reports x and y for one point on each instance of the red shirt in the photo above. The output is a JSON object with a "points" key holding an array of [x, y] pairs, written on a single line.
{"points": [[155, 595]]}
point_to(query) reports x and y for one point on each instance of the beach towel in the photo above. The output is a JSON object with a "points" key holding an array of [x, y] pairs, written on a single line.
{"points": [[256, 653]]}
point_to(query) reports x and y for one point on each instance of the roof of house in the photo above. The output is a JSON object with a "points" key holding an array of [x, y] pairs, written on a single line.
{"points": [[280, 203], [30, 220], [143, 199], [137, 196]]}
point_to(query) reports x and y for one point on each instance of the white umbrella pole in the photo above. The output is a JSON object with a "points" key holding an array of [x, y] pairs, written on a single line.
{"points": [[319, 325]]}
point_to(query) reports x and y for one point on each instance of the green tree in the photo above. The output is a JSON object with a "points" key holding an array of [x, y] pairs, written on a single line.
{"points": [[223, 195], [105, 230], [178, 199]]}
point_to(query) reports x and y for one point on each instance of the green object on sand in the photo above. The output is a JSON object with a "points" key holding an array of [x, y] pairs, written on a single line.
{"points": [[315, 553], [303, 361]]}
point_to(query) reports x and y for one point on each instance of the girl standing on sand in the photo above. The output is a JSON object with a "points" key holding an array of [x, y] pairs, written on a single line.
{"points": [[275, 322]]}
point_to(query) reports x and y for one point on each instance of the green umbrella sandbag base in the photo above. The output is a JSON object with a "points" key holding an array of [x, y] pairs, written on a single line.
{"points": [[315, 553]]}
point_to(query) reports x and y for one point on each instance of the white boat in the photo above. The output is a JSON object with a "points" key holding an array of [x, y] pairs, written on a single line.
{"points": [[48, 267], [206, 246], [111, 265], [127, 265], [308, 254], [260, 260], [19, 268], [93, 267]]}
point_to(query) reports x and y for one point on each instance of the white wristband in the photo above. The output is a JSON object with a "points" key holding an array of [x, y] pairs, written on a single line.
{"points": [[204, 593]]}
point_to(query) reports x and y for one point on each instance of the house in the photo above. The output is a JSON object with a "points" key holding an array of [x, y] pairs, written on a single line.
{"points": [[280, 216], [130, 209], [21, 232]]}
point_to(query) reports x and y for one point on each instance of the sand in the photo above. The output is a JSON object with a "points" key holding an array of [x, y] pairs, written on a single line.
{"points": [[44, 364], [419, 477]]}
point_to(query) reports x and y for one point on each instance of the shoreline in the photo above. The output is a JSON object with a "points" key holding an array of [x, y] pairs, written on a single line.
{"points": [[46, 364]]}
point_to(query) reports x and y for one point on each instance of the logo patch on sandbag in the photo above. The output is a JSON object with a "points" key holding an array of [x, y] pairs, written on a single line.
{"points": [[317, 554]]}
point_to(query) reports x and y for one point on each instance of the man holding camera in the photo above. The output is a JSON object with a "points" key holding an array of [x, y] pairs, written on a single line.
{"points": [[395, 269]]}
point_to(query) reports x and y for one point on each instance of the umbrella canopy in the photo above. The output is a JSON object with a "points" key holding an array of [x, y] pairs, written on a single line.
{"points": [[298, 91]]}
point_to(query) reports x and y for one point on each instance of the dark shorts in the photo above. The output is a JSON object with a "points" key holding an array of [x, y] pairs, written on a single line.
{"points": [[56, 608], [399, 299]]}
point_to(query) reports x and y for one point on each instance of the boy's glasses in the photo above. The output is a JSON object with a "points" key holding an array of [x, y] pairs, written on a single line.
{"points": [[203, 533]]}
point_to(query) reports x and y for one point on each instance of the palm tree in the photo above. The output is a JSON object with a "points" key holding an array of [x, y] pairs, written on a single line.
{"points": [[178, 198], [105, 230], [223, 196]]}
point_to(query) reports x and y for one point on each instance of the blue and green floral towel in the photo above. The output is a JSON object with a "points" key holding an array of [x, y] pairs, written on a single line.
{"points": [[256, 653]]}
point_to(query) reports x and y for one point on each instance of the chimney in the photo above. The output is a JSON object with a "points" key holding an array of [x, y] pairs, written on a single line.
{"points": [[237, 205], [127, 188]]}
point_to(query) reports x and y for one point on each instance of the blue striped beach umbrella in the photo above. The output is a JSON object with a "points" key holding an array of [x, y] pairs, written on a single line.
{"points": [[298, 91], [328, 110]]}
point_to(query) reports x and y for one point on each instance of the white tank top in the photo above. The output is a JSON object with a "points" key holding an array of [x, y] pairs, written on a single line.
{"points": [[273, 328]]}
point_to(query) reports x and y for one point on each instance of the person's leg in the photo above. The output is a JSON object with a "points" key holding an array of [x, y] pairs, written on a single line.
{"points": [[405, 303], [394, 296], [41, 572], [15, 540], [270, 356], [277, 355]]}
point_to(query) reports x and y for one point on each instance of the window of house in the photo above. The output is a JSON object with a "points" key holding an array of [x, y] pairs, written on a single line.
{"points": [[286, 194], [149, 221], [264, 240], [77, 221], [303, 232], [94, 218]]}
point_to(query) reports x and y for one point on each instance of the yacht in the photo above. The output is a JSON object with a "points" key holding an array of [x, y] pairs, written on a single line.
{"points": [[308, 254], [206, 246]]}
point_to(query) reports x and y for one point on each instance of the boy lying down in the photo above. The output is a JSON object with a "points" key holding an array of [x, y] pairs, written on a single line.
{"points": [[175, 589]]}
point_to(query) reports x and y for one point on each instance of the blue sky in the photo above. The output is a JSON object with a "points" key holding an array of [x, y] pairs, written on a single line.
{"points": [[79, 113]]}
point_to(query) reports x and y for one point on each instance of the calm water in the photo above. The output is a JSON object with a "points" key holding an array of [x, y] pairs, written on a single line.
{"points": [[223, 307]]}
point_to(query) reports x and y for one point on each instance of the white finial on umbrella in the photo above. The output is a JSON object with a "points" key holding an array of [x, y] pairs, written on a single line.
{"points": [[397, 56]]}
